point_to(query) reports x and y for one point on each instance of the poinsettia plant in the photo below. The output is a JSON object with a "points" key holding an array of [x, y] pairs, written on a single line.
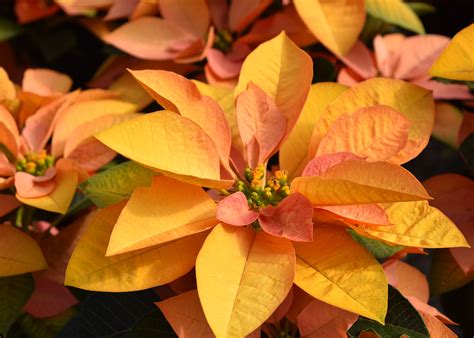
{"points": [[250, 230]]}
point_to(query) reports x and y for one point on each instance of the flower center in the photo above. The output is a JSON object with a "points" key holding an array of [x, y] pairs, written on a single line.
{"points": [[223, 40], [260, 194], [35, 163]]}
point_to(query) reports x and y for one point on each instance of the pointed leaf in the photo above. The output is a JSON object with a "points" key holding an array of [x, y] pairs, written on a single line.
{"points": [[369, 214], [166, 211], [192, 16], [336, 24], [185, 314], [295, 152], [360, 182], [19, 253], [414, 102], [319, 319], [417, 224], [396, 12], [168, 143], [234, 210], [175, 92], [237, 271], [45, 82], [377, 248], [376, 133], [285, 77], [457, 60], [261, 124], [436, 328], [116, 183], [83, 112], [292, 219], [150, 38], [59, 199], [402, 319], [89, 268], [342, 274], [408, 280]]}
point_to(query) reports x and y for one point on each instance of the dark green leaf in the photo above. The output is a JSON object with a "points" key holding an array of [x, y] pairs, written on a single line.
{"points": [[379, 249], [14, 293], [372, 27], [116, 184], [8, 29], [402, 318], [117, 315]]}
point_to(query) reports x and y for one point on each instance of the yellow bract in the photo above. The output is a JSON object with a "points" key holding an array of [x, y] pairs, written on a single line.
{"points": [[242, 278], [283, 71], [295, 152], [419, 225], [457, 60], [19, 253], [166, 211], [169, 143], [89, 269], [60, 198], [336, 24], [414, 102], [360, 182], [396, 12], [83, 112], [336, 270]]}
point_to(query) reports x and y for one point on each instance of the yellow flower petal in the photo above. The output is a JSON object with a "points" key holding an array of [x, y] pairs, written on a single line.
{"points": [[414, 102], [19, 253], [396, 12], [83, 112], [283, 71], [295, 152], [166, 211], [360, 182], [457, 60], [242, 278], [375, 133], [342, 274], [89, 269], [169, 143], [176, 93], [417, 224], [336, 24], [60, 198]]}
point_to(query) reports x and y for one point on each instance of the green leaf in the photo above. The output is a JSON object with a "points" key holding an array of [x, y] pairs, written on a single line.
{"points": [[8, 29], [373, 27], [445, 274], [402, 318], [379, 249], [29, 326], [395, 12], [467, 151], [116, 184], [14, 293], [421, 8]]}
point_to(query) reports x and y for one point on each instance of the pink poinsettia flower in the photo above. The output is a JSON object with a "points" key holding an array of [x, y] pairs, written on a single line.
{"points": [[46, 176], [404, 58], [192, 31]]}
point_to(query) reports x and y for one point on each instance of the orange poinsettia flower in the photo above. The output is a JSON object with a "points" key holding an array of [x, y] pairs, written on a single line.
{"points": [[348, 164], [44, 176], [399, 57]]}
